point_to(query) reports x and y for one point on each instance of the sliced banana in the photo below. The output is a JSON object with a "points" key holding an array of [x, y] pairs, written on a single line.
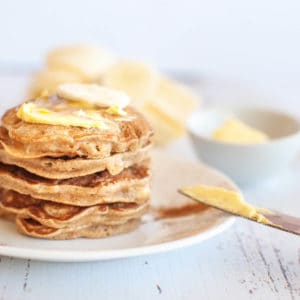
{"points": [[49, 79], [165, 127], [88, 61], [71, 69], [177, 127], [174, 99], [168, 110], [93, 94], [137, 79]]}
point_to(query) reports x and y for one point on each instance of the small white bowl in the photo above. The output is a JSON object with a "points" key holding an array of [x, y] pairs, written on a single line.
{"points": [[246, 163]]}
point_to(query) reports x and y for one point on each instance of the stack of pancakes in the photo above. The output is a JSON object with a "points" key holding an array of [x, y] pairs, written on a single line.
{"points": [[63, 182]]}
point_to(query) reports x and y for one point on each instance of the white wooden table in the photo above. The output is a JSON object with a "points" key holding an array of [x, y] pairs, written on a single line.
{"points": [[249, 261]]}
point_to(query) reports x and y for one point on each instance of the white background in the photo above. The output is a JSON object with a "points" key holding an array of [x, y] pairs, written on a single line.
{"points": [[252, 41]]}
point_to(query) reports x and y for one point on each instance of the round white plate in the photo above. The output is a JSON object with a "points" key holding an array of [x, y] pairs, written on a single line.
{"points": [[173, 222]]}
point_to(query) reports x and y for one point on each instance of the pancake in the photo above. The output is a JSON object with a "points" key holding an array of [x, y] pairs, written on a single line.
{"points": [[97, 188], [33, 228], [4, 214], [32, 140], [62, 168], [58, 215], [75, 164]]}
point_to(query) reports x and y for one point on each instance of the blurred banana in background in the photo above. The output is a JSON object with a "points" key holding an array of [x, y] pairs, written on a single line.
{"points": [[137, 79], [88, 62], [165, 102], [75, 63]]}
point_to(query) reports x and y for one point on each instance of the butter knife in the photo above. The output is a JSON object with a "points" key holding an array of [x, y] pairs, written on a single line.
{"points": [[263, 216]]}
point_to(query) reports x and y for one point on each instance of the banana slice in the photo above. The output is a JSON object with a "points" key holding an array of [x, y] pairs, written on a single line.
{"points": [[49, 80], [165, 128], [174, 100], [137, 79], [93, 94], [169, 109], [89, 62]]}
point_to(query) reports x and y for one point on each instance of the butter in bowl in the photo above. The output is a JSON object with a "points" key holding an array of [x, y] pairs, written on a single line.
{"points": [[249, 144]]}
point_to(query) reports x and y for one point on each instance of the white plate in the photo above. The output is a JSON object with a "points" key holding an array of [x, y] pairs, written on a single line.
{"points": [[162, 229]]}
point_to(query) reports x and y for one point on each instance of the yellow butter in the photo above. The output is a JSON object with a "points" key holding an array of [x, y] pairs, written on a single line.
{"points": [[60, 115], [225, 199], [235, 131], [116, 110]]}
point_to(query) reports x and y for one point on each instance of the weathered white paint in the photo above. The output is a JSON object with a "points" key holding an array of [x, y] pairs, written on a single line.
{"points": [[249, 261]]}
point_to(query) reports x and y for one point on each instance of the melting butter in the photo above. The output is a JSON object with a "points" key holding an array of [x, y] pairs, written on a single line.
{"points": [[224, 199], [43, 112], [116, 110], [235, 131]]}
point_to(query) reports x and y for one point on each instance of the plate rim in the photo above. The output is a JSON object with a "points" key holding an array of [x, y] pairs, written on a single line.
{"points": [[104, 255]]}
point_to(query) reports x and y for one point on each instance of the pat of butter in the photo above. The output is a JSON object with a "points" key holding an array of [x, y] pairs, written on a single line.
{"points": [[235, 131], [116, 110], [225, 199], [36, 113], [93, 94]]}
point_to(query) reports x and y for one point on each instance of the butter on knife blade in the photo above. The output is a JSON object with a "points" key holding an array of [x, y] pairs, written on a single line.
{"points": [[234, 203]]}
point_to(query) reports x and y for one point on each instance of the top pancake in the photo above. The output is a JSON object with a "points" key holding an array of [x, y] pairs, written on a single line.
{"points": [[32, 140]]}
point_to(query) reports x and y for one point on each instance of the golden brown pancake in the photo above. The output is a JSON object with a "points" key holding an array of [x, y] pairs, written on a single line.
{"points": [[31, 140], [4, 214], [87, 177], [97, 188], [65, 167], [58, 215], [33, 228]]}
